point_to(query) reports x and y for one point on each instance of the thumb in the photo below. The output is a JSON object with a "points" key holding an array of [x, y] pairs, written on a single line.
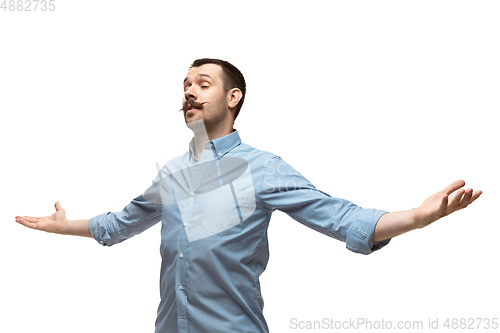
{"points": [[58, 206]]}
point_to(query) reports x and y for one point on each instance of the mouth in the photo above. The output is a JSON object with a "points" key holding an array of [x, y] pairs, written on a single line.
{"points": [[190, 110], [192, 105]]}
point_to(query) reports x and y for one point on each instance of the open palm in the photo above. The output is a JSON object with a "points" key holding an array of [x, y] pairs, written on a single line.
{"points": [[441, 204], [54, 223]]}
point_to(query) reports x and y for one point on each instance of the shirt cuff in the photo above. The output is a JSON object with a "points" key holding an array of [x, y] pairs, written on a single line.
{"points": [[360, 233], [99, 232]]}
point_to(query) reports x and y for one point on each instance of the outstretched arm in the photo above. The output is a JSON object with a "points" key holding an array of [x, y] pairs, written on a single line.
{"points": [[56, 223], [432, 209]]}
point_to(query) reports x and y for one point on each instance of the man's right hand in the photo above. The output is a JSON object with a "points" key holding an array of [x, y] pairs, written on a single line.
{"points": [[56, 223]]}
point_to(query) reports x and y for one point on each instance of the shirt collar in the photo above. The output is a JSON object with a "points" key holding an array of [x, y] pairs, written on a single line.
{"points": [[221, 146]]}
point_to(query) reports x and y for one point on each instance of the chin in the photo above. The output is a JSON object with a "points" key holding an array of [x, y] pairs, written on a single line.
{"points": [[192, 119], [195, 123]]}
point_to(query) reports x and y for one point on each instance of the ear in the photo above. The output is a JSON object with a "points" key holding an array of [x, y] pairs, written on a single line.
{"points": [[233, 97]]}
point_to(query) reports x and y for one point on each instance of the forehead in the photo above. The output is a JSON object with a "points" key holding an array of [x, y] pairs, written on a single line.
{"points": [[213, 71]]}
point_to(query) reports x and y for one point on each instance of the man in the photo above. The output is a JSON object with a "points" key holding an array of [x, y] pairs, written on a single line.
{"points": [[215, 204]]}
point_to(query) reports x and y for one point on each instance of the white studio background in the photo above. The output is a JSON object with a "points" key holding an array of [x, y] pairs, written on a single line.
{"points": [[379, 102]]}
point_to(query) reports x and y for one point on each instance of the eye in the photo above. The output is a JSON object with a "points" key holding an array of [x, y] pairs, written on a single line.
{"points": [[205, 86]]}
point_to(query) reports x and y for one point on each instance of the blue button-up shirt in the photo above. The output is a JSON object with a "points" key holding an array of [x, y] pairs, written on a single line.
{"points": [[215, 213]]}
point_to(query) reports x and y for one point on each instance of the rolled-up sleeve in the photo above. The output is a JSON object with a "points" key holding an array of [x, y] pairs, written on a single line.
{"points": [[112, 228], [285, 189]]}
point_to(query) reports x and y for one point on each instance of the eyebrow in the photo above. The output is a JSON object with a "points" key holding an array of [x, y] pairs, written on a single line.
{"points": [[200, 75]]}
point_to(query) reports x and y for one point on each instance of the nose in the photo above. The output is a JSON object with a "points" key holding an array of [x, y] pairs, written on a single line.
{"points": [[189, 93]]}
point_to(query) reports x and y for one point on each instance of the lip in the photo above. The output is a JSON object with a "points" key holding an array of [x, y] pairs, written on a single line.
{"points": [[191, 110]]}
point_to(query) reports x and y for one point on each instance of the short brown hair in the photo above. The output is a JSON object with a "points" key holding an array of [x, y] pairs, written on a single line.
{"points": [[233, 78]]}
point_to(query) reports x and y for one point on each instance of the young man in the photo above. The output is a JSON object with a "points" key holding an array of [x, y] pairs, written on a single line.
{"points": [[215, 203]]}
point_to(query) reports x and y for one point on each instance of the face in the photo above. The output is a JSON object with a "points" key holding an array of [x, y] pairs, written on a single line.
{"points": [[204, 96]]}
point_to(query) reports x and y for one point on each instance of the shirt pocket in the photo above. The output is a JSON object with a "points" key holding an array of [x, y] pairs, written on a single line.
{"points": [[221, 214]]}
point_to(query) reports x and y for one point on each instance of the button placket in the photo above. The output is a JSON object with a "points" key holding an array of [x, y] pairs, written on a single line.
{"points": [[180, 281]]}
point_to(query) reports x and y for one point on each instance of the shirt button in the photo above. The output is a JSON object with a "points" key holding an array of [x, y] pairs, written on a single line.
{"points": [[181, 255], [185, 224], [191, 194], [181, 287], [101, 242]]}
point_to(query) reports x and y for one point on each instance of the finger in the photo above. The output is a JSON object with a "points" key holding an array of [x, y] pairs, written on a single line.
{"points": [[444, 204], [26, 223], [475, 195], [469, 197], [30, 219], [457, 184], [466, 199], [454, 202], [58, 206]]}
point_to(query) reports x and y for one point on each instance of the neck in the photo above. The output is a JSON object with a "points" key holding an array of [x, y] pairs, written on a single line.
{"points": [[202, 135]]}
